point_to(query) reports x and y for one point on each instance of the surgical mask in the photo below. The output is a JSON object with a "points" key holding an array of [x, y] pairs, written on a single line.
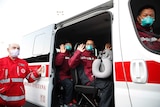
{"points": [[14, 52], [89, 47], [147, 21], [68, 47]]}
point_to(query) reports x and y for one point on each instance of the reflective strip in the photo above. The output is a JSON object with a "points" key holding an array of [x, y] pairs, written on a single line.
{"points": [[2, 89], [66, 57], [148, 39], [6, 73], [12, 79], [12, 98], [18, 70], [17, 79], [87, 58], [4, 81]]}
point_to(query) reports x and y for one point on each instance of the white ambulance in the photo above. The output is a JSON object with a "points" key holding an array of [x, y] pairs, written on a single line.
{"points": [[136, 70]]}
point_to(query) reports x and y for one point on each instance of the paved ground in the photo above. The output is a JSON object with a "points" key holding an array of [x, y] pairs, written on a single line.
{"points": [[29, 105]]}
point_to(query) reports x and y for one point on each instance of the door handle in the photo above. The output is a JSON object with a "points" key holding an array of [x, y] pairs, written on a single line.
{"points": [[138, 71]]}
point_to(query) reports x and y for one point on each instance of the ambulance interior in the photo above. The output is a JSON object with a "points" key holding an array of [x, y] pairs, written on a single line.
{"points": [[97, 28]]}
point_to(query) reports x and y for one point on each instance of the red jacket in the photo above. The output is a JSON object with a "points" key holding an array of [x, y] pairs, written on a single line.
{"points": [[12, 73], [61, 62], [85, 59], [147, 38]]}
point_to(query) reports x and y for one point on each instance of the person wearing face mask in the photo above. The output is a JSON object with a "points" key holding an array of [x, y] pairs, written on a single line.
{"points": [[82, 60], [144, 24], [84, 55], [64, 73], [13, 70]]}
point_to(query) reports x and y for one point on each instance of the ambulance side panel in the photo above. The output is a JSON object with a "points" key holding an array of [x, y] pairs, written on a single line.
{"points": [[140, 66], [37, 49]]}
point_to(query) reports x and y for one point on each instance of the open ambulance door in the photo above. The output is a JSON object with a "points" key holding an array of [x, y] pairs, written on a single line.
{"points": [[139, 64], [37, 49]]}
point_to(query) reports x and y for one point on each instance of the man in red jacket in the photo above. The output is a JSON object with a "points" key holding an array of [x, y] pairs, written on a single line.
{"points": [[64, 72], [83, 59], [12, 72], [145, 20]]}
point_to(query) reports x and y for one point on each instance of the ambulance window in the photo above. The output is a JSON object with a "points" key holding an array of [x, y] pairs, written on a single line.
{"points": [[147, 33], [41, 44], [41, 48]]}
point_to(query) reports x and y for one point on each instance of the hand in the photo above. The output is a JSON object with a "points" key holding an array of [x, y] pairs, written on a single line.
{"points": [[81, 47], [62, 48], [40, 70]]}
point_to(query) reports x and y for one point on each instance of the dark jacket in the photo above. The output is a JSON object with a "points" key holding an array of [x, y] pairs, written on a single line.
{"points": [[61, 62], [147, 37], [83, 60]]}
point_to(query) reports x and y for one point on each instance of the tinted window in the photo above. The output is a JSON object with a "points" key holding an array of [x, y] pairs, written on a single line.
{"points": [[36, 47], [135, 6]]}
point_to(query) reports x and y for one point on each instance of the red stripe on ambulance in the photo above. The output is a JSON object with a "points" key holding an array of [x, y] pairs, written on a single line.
{"points": [[152, 66], [36, 67]]}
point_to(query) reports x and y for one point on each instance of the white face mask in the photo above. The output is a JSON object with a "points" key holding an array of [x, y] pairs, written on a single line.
{"points": [[14, 52]]}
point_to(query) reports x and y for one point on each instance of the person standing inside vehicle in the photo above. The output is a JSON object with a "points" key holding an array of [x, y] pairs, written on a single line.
{"points": [[64, 72], [13, 70], [144, 24], [84, 56]]}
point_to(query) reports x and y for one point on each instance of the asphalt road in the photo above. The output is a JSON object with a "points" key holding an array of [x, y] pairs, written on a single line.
{"points": [[29, 105]]}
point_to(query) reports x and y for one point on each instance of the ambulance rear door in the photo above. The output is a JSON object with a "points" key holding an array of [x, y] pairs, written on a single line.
{"points": [[37, 49]]}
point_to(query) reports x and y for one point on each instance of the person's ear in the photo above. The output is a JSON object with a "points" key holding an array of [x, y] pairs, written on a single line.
{"points": [[139, 19], [8, 49], [94, 46]]}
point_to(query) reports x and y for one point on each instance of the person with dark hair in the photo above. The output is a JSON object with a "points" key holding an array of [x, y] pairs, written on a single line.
{"points": [[144, 24], [64, 73], [82, 59]]}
